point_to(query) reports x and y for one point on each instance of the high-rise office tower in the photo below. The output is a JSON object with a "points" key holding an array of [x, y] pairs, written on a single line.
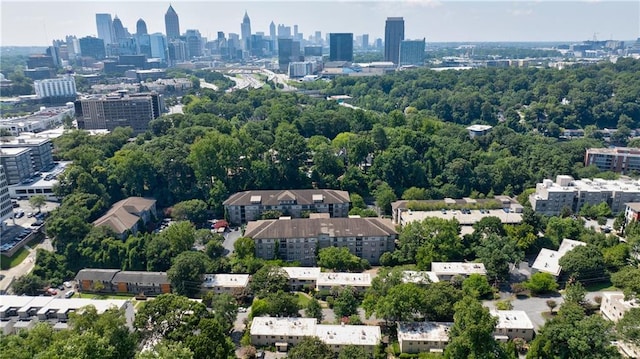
{"points": [[158, 45], [284, 32], [393, 35], [318, 38], [141, 27], [365, 41], [172, 24], [412, 52], [194, 43], [272, 36], [118, 30], [92, 47], [245, 32], [341, 47], [105, 28]]}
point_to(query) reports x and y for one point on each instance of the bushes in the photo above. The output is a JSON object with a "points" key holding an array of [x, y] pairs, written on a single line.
{"points": [[541, 283]]}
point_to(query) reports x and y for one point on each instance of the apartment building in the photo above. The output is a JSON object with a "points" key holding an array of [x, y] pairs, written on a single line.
{"points": [[117, 281], [548, 260], [613, 307], [224, 283], [423, 337], [616, 159], [300, 239], [17, 164], [248, 206], [125, 215], [40, 150], [551, 197], [24, 312], [447, 270], [302, 277], [285, 332], [513, 324], [119, 110], [6, 208], [330, 280]]}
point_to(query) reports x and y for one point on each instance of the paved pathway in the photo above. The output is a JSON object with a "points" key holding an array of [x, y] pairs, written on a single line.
{"points": [[23, 268]]}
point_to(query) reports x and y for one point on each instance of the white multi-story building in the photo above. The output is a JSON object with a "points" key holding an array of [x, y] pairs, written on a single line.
{"points": [[24, 312], [613, 307], [359, 281], [551, 197], [285, 332], [513, 324], [448, 270], [423, 337], [548, 260], [45, 118], [224, 283], [58, 87], [301, 277]]}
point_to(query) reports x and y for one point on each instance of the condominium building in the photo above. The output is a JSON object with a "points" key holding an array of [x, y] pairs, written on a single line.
{"points": [[513, 324], [119, 110], [548, 260], [285, 332], [566, 192], [423, 337], [124, 217], [58, 87], [448, 270], [302, 277], [248, 206], [117, 281], [40, 151], [300, 239], [24, 312], [616, 159], [224, 283], [328, 280]]}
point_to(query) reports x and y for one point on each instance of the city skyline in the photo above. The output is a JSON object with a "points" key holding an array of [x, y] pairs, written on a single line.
{"points": [[437, 21]]}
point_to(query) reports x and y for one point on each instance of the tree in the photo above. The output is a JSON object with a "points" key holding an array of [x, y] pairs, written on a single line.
{"points": [[551, 304], [28, 284], [384, 196], [353, 351], [181, 236], [271, 214], [575, 293], [627, 280], [214, 249], [345, 303], [357, 201], [169, 316], [430, 240], [628, 326], [584, 263], [269, 279], [166, 349], [278, 304], [440, 299], [37, 201], [110, 326], [310, 348], [223, 306], [244, 247], [194, 210], [414, 193], [314, 310], [477, 286], [497, 254], [186, 272], [403, 302], [471, 335], [541, 282], [489, 225], [211, 341], [341, 259]]}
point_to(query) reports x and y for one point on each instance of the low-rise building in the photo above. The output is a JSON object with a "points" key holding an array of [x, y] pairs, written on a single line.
{"points": [[117, 281], [513, 324], [548, 260], [550, 198], [285, 332], [24, 312], [478, 130], [224, 283], [423, 337], [124, 216], [447, 270], [44, 119], [299, 239], [613, 307], [302, 277], [248, 206], [632, 212], [359, 281], [40, 184]]}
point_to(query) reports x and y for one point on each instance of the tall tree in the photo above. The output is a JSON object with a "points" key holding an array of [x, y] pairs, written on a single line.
{"points": [[310, 348], [186, 272]]}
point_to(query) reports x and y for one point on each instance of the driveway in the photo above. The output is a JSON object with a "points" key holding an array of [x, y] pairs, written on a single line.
{"points": [[23, 268], [230, 239]]}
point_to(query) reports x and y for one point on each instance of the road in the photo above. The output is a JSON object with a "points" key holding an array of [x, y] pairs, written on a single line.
{"points": [[230, 239], [244, 81], [279, 79], [23, 268], [208, 85]]}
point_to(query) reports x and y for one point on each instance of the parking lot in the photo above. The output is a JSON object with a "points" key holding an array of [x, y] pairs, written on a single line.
{"points": [[21, 228]]}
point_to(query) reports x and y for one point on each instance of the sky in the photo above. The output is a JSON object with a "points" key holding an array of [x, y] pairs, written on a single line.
{"points": [[36, 23]]}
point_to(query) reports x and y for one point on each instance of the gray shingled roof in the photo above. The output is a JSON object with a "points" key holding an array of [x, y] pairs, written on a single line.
{"points": [[103, 275], [312, 227], [302, 196], [141, 277]]}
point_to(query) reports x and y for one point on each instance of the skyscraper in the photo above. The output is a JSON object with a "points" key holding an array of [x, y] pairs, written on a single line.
{"points": [[158, 46], [194, 43], [92, 47], [245, 32], [141, 27], [393, 35], [119, 32], [341, 47], [412, 52], [172, 24], [365, 41], [272, 37], [105, 28]]}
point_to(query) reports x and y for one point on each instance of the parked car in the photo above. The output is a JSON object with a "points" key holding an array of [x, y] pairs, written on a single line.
{"points": [[19, 214], [69, 294], [51, 291]]}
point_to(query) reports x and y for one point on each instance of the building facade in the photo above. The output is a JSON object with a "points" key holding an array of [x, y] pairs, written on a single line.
{"points": [[121, 110], [248, 206], [224, 283], [513, 324], [92, 47], [551, 197], [125, 215], [423, 337], [172, 24], [301, 239], [412, 52], [104, 25], [613, 307], [393, 36], [59, 87], [17, 164], [617, 159], [117, 281], [6, 208], [40, 151], [341, 47]]}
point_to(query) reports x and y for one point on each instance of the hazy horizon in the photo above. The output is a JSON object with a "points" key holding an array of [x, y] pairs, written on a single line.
{"points": [[31, 23]]}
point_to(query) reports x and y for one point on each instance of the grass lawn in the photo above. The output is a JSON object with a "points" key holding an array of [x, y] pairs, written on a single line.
{"points": [[17, 258], [303, 299], [103, 296]]}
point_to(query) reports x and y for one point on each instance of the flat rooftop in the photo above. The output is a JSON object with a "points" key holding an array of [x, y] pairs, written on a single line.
{"points": [[337, 279], [512, 319], [424, 331], [440, 268], [13, 151], [225, 280], [302, 273], [479, 127], [363, 335], [464, 219], [548, 260], [284, 326]]}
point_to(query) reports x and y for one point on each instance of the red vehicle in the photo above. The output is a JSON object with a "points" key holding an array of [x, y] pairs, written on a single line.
{"points": [[52, 292]]}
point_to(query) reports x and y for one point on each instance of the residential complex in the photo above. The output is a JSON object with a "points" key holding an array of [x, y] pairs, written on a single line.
{"points": [[17, 164], [616, 159], [551, 197], [117, 281], [40, 151], [248, 206], [64, 87], [329, 280], [285, 332], [124, 216], [423, 337], [513, 324], [119, 110], [548, 260], [445, 271], [225, 283], [24, 312], [300, 239]]}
